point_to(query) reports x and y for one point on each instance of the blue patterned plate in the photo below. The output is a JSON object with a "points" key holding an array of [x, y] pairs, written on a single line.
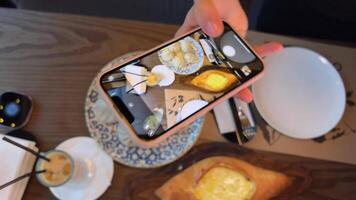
{"points": [[113, 138]]}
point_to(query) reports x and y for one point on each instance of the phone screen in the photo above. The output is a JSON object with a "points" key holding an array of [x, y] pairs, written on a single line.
{"points": [[164, 87]]}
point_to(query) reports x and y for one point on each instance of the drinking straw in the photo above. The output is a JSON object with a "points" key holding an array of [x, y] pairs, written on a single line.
{"points": [[133, 87], [125, 72], [26, 149], [21, 177]]}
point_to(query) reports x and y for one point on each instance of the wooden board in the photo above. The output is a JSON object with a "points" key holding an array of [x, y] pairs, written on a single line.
{"points": [[141, 184]]}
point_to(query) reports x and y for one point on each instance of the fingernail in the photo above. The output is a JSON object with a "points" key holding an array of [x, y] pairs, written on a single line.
{"points": [[211, 28]]}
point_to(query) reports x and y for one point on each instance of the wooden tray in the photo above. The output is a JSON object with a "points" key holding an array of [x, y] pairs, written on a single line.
{"points": [[142, 183]]}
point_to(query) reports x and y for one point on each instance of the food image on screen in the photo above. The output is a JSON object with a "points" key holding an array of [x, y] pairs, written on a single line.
{"points": [[160, 89]]}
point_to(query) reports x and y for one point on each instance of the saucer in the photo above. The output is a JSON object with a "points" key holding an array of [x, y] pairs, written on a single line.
{"points": [[114, 140], [301, 95], [86, 149]]}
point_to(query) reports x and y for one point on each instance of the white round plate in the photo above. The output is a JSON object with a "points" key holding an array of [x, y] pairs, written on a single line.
{"points": [[191, 107], [85, 148], [301, 94], [165, 73]]}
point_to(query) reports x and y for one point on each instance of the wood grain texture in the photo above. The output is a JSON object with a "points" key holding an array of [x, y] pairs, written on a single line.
{"points": [[324, 180], [54, 58]]}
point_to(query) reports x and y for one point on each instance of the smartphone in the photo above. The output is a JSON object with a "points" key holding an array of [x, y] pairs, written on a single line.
{"points": [[165, 89]]}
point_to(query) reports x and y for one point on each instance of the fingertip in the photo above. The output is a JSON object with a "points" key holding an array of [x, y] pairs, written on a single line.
{"points": [[245, 95], [208, 18], [276, 45], [268, 48], [213, 28], [248, 99]]}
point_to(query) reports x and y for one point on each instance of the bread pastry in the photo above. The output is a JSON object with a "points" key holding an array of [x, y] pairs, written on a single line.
{"points": [[214, 80], [186, 46], [224, 178], [181, 55]]}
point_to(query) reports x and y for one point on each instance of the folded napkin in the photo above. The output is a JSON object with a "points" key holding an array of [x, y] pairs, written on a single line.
{"points": [[135, 76], [15, 162]]}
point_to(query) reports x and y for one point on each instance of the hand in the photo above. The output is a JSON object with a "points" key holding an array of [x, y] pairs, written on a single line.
{"points": [[209, 14]]}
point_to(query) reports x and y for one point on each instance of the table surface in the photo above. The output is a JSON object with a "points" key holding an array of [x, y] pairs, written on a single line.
{"points": [[54, 57]]}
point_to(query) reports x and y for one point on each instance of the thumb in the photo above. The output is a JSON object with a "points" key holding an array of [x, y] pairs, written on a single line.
{"points": [[205, 15], [188, 24], [208, 18]]}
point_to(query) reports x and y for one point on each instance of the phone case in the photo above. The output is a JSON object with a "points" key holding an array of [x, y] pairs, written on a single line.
{"points": [[155, 142]]}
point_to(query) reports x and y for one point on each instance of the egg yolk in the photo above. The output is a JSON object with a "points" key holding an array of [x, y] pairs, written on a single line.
{"points": [[152, 80], [224, 184], [216, 81]]}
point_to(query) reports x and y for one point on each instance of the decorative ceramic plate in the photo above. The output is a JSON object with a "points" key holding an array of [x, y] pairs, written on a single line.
{"points": [[188, 67], [114, 140]]}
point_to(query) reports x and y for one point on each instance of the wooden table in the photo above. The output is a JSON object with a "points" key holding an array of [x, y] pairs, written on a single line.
{"points": [[54, 57]]}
